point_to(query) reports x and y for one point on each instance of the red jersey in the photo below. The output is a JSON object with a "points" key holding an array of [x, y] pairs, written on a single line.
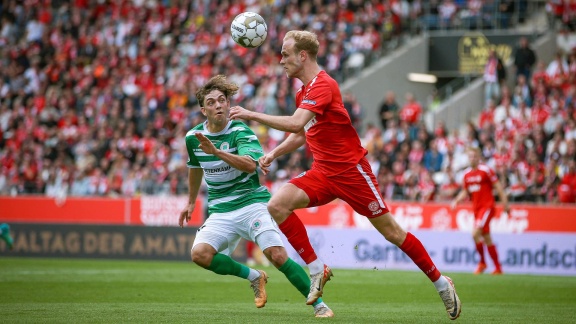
{"points": [[478, 182], [411, 113], [332, 139], [486, 117]]}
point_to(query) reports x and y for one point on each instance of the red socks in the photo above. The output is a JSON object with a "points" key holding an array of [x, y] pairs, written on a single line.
{"points": [[416, 251], [494, 256], [480, 249], [250, 249], [296, 234]]}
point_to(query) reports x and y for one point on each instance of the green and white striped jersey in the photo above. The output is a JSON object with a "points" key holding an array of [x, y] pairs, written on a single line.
{"points": [[228, 188]]}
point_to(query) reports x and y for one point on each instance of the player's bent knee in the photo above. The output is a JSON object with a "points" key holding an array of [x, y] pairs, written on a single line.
{"points": [[395, 237], [277, 211], [202, 256], [277, 255]]}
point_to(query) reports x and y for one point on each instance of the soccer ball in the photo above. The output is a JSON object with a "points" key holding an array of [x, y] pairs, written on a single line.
{"points": [[249, 29]]}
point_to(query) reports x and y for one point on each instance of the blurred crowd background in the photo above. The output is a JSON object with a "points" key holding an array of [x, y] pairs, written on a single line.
{"points": [[97, 96]]}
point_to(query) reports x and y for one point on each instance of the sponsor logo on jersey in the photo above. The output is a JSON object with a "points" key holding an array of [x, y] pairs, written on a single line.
{"points": [[224, 146], [474, 188], [218, 170], [308, 101], [477, 178]]}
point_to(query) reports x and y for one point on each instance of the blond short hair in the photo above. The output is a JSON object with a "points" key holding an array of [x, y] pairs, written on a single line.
{"points": [[474, 149], [304, 41]]}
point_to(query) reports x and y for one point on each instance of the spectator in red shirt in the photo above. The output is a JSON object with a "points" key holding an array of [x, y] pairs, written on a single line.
{"points": [[567, 188], [540, 113], [539, 76], [487, 115], [411, 110]]}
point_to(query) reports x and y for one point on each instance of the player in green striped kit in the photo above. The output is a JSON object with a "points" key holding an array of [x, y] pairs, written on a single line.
{"points": [[226, 152]]}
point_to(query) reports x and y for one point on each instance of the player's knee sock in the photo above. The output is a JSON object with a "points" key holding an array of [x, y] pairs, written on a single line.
{"points": [[416, 251], [480, 249], [4, 229], [5, 234], [250, 249], [494, 255], [225, 265], [295, 232], [297, 276]]}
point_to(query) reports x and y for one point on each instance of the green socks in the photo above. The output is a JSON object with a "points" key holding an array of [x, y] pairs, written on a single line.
{"points": [[297, 277], [5, 235], [225, 265]]}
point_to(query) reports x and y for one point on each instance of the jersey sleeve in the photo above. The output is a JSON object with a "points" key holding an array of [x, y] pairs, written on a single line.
{"points": [[191, 143], [248, 144], [318, 97], [492, 176]]}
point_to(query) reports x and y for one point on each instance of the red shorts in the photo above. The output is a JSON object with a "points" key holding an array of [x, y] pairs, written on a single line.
{"points": [[357, 187], [483, 217]]}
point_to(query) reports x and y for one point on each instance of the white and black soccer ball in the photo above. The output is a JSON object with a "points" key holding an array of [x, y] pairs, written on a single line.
{"points": [[249, 29]]}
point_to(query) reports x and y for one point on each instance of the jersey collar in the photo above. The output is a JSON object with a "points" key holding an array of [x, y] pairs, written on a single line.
{"points": [[223, 131]]}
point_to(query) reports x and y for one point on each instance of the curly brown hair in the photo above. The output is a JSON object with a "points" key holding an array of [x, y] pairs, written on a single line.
{"points": [[216, 83]]}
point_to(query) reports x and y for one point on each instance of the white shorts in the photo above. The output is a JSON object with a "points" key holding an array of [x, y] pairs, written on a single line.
{"points": [[223, 231]]}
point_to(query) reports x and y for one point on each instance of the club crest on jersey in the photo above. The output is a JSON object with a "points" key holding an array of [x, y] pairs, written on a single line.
{"points": [[256, 224], [224, 146], [373, 206]]}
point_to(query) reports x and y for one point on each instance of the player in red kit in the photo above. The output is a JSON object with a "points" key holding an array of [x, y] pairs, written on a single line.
{"points": [[479, 180], [340, 169]]}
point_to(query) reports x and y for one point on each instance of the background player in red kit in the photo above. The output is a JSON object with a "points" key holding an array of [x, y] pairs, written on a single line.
{"points": [[340, 169], [479, 180]]}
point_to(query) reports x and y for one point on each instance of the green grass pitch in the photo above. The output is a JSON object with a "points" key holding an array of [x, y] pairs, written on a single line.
{"points": [[103, 291]]}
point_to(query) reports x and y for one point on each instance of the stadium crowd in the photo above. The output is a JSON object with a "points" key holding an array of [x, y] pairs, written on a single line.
{"points": [[96, 97], [527, 134]]}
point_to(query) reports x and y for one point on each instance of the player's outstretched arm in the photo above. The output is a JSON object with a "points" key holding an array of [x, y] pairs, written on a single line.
{"points": [[461, 195], [290, 144], [194, 180], [503, 198], [292, 124]]}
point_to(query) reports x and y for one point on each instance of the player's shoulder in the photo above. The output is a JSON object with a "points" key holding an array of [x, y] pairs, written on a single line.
{"points": [[237, 125], [322, 84], [485, 168], [323, 78], [467, 171], [196, 129]]}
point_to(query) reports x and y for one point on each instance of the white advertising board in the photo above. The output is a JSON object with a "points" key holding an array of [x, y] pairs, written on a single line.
{"points": [[451, 251]]}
